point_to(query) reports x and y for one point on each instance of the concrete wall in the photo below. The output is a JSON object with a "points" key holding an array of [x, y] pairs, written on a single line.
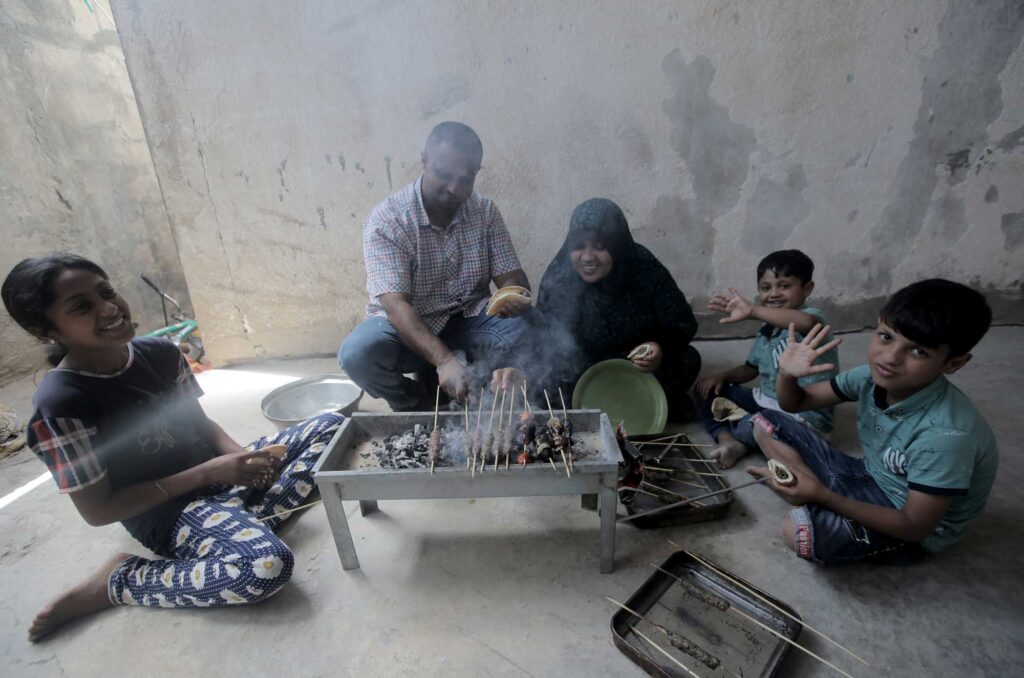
{"points": [[884, 139], [75, 170]]}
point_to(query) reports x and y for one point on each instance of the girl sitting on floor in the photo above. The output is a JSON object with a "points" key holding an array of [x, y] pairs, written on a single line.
{"points": [[119, 425]]}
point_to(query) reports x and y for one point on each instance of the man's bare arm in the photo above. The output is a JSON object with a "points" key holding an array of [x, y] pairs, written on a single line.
{"points": [[417, 336], [413, 331]]}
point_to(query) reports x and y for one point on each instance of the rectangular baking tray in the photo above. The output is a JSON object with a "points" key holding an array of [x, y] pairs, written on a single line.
{"points": [[676, 457], [743, 648]]}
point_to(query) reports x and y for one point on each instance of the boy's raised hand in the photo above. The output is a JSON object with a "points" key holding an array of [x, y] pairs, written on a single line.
{"points": [[735, 305], [798, 358]]}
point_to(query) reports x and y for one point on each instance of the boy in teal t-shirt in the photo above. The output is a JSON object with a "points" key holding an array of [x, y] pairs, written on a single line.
{"points": [[784, 281], [929, 457]]}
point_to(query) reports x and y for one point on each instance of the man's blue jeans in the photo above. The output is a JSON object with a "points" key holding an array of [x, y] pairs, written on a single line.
{"points": [[376, 358]]}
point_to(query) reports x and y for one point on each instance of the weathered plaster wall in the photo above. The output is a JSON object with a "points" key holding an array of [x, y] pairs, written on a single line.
{"points": [[75, 170], [884, 139]]}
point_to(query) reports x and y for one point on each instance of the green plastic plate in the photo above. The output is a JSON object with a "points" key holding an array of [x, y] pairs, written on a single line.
{"points": [[625, 393]]}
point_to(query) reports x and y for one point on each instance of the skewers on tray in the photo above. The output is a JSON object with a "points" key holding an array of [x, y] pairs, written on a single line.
{"points": [[726, 599]]}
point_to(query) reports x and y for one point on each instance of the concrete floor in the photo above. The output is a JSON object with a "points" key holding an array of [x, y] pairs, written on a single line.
{"points": [[510, 587]]}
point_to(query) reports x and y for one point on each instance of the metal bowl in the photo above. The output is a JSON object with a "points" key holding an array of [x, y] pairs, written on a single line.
{"points": [[299, 400]]}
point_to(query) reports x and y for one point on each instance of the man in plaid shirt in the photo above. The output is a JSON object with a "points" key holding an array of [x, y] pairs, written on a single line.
{"points": [[431, 250]]}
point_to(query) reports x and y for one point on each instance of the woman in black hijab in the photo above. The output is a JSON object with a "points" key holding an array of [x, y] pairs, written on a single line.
{"points": [[613, 296]]}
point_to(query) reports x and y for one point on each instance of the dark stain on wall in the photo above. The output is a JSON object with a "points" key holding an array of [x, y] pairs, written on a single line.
{"points": [[950, 119], [992, 194], [949, 218], [773, 211], [1012, 140], [447, 91], [1013, 230], [717, 152]]}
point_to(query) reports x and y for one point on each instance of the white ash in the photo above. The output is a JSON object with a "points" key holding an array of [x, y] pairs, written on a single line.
{"points": [[411, 449]]}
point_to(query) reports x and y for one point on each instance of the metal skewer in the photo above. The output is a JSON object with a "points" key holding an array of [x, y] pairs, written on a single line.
{"points": [[677, 504]]}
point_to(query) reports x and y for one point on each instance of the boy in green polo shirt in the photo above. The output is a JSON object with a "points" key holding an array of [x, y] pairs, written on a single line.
{"points": [[784, 281], [929, 457]]}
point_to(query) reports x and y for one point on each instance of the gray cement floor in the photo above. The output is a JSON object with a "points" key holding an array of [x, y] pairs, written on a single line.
{"points": [[511, 587]]}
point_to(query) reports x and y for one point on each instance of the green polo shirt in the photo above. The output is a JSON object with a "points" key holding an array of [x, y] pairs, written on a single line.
{"points": [[764, 357], [935, 442]]}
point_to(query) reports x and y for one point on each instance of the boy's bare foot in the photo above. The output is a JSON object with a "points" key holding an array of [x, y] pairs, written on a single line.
{"points": [[727, 454], [88, 596]]}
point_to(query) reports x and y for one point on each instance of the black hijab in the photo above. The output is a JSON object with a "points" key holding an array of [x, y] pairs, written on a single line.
{"points": [[637, 301]]}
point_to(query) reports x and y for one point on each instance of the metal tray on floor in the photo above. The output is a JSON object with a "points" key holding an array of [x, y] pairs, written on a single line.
{"points": [[680, 457], [743, 648]]}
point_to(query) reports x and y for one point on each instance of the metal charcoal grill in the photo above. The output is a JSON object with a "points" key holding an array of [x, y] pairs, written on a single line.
{"points": [[351, 469]]}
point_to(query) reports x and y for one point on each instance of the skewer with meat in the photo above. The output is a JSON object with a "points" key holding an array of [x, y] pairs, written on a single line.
{"points": [[488, 443], [525, 431], [499, 435], [678, 641], [566, 430], [434, 446], [555, 431], [509, 431], [475, 446]]}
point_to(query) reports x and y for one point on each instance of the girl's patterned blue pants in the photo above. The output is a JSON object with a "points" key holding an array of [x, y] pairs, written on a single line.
{"points": [[223, 553]]}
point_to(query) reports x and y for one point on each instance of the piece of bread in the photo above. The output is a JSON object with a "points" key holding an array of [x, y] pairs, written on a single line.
{"points": [[506, 295], [782, 475], [641, 351], [276, 451]]}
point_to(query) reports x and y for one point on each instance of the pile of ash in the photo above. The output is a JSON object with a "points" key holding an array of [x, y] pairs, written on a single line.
{"points": [[411, 448]]}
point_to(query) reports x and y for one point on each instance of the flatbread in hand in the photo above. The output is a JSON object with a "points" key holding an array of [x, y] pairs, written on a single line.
{"points": [[507, 295]]}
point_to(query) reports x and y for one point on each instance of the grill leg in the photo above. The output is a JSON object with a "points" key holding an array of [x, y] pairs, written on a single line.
{"points": [[368, 507], [609, 506], [339, 528]]}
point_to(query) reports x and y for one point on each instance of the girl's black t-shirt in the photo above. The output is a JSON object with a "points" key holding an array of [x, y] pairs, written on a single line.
{"points": [[140, 424]]}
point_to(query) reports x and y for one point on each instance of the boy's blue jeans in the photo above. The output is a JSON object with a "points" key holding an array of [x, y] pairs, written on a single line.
{"points": [[376, 358], [821, 535]]}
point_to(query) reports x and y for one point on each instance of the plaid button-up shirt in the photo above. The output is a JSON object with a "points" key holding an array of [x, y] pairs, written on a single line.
{"points": [[444, 270]]}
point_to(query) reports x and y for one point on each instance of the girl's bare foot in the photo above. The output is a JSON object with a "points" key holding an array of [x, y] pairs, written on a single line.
{"points": [[728, 453], [88, 596]]}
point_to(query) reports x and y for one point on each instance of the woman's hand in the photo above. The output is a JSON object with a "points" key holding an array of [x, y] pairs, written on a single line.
{"points": [[652, 360], [506, 378], [252, 468], [709, 385]]}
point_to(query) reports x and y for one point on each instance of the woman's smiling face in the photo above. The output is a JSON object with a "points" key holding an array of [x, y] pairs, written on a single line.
{"points": [[88, 312], [591, 259]]}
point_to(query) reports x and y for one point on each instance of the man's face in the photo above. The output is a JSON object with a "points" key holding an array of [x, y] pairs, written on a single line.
{"points": [[448, 177], [782, 291], [903, 367]]}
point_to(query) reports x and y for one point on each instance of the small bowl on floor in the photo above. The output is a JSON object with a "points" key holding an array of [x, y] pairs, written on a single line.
{"points": [[300, 400]]}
